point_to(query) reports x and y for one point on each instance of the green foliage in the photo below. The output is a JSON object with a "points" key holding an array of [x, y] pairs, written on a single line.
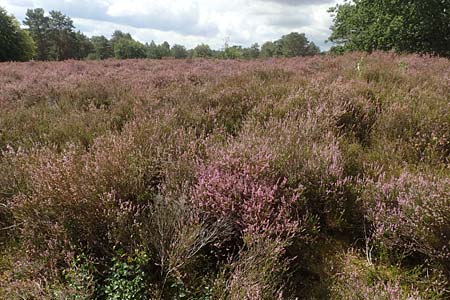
{"points": [[179, 51], [290, 45], [403, 26], [79, 279], [39, 29], [237, 52], [55, 37], [164, 49], [102, 48], [270, 49], [126, 279], [203, 51], [295, 44], [27, 46], [252, 52], [15, 43], [232, 52], [62, 36], [117, 35], [82, 46], [125, 48], [153, 51]]}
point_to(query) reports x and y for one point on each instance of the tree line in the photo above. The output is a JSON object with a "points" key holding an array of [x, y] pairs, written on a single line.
{"points": [[53, 37], [405, 26]]}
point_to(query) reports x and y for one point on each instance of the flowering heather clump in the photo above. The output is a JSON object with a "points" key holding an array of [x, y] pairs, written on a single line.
{"points": [[225, 179], [307, 155], [410, 213], [232, 188]]}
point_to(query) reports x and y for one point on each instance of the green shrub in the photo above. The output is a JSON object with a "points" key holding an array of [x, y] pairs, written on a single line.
{"points": [[127, 278]]}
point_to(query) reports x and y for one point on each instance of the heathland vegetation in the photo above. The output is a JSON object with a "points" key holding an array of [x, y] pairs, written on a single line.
{"points": [[316, 178]]}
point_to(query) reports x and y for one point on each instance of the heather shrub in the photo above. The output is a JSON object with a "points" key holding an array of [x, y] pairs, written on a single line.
{"points": [[257, 273], [223, 179], [271, 75], [378, 70], [358, 119], [409, 214], [309, 159], [224, 105], [58, 125], [49, 211], [77, 196], [240, 190], [26, 280], [414, 124], [417, 136], [177, 240], [359, 279], [13, 181]]}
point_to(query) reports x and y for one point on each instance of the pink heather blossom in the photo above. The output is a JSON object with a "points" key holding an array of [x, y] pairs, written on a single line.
{"points": [[233, 189]]}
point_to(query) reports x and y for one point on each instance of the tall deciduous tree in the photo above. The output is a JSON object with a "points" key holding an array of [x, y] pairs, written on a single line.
{"points": [[296, 44], [270, 49], [164, 49], [401, 25], [117, 35], [252, 52], [232, 52], [293, 44], [178, 51], [82, 46], [202, 50], [290, 45], [152, 51], [15, 43], [125, 48], [102, 48]]}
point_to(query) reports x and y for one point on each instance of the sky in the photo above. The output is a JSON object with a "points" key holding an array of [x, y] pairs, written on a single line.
{"points": [[214, 22]]}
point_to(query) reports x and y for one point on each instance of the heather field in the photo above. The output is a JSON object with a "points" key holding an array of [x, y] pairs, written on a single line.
{"points": [[325, 177]]}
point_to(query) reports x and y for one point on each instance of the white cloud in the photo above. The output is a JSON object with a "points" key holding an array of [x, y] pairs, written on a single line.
{"points": [[298, 2], [192, 22]]}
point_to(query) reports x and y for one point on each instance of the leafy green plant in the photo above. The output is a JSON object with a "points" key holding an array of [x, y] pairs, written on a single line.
{"points": [[126, 279], [79, 279]]}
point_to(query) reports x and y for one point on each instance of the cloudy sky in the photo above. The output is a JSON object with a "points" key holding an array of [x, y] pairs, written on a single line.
{"points": [[240, 22]]}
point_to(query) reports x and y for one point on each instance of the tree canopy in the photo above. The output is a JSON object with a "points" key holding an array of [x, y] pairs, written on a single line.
{"points": [[296, 44], [102, 48], [202, 50], [15, 43], [39, 29], [55, 37], [290, 45], [179, 51], [400, 25], [128, 48]]}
